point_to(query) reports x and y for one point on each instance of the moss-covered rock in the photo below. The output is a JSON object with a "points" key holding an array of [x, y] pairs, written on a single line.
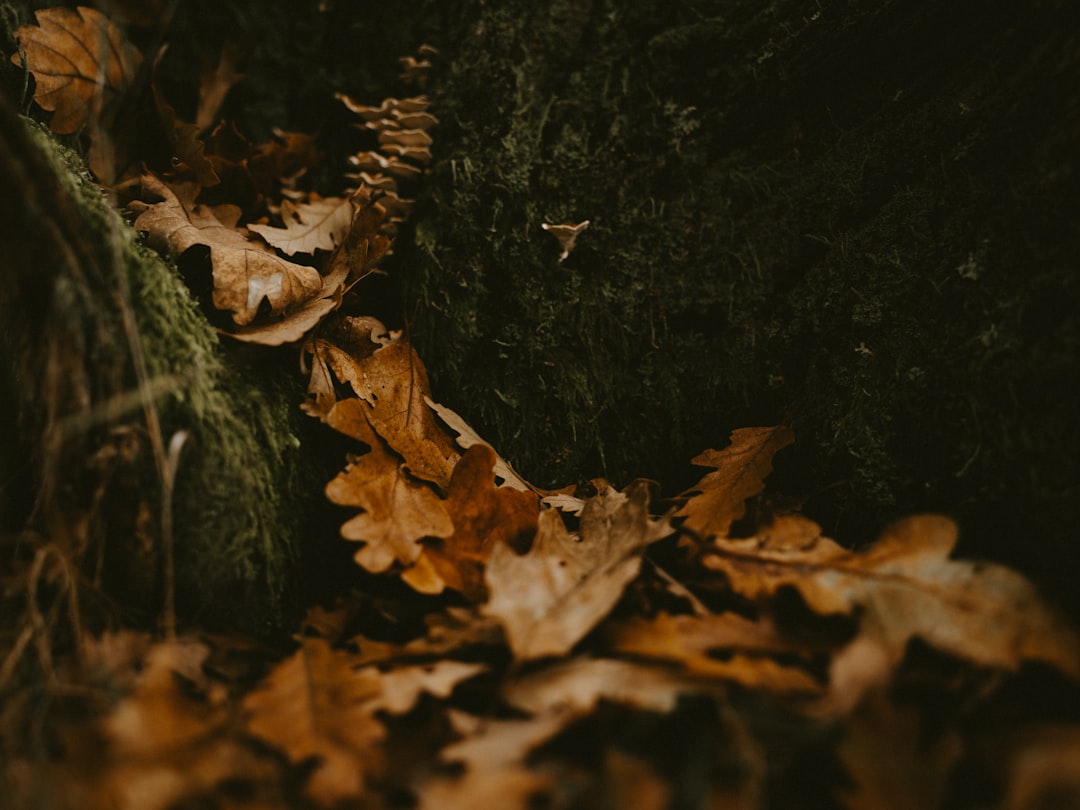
{"points": [[106, 347]]}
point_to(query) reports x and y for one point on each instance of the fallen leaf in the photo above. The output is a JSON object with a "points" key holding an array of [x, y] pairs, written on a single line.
{"points": [[396, 382], [403, 686], [467, 437], [566, 235], [215, 84], [82, 64], [904, 587], [484, 518], [493, 752], [313, 706], [245, 272], [741, 469], [319, 224], [577, 686], [398, 510], [727, 647], [550, 598]]}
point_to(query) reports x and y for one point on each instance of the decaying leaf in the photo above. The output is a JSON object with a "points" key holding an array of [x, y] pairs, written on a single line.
{"points": [[246, 272], [319, 224], [82, 64], [741, 469], [467, 437], [726, 647], [398, 510], [484, 518], [187, 147], [313, 706], [904, 587], [550, 598], [493, 752], [403, 686]]}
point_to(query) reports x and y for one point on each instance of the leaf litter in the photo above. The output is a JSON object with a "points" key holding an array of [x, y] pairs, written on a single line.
{"points": [[592, 646]]}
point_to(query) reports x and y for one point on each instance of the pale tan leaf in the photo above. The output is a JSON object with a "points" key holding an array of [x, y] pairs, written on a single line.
{"points": [[245, 272], [467, 437], [727, 647], [403, 685], [319, 224], [550, 598], [904, 587]]}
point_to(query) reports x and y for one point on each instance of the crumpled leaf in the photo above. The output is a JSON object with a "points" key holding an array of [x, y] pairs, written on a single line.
{"points": [[354, 258], [82, 64], [319, 224], [550, 598], [398, 511], [493, 752], [726, 646], [741, 469], [904, 587], [313, 705], [245, 272], [484, 518], [187, 147]]}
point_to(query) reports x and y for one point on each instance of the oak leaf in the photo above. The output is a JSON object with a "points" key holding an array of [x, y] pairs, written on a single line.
{"points": [[245, 272], [484, 518], [550, 598], [402, 686], [904, 587], [741, 469], [319, 224], [398, 510], [726, 646], [467, 437], [314, 707], [82, 64], [493, 753], [578, 685], [394, 384]]}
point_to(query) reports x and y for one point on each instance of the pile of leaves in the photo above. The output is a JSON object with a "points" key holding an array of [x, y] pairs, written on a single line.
{"points": [[517, 647]]}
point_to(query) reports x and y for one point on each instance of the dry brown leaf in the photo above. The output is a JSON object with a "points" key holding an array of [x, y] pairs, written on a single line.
{"points": [[741, 469], [314, 706], [319, 224], [578, 685], [82, 64], [725, 646], [890, 760], [403, 686], [903, 587], [396, 382], [398, 510], [245, 272], [550, 598], [467, 437], [1044, 769], [493, 752], [484, 518]]}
